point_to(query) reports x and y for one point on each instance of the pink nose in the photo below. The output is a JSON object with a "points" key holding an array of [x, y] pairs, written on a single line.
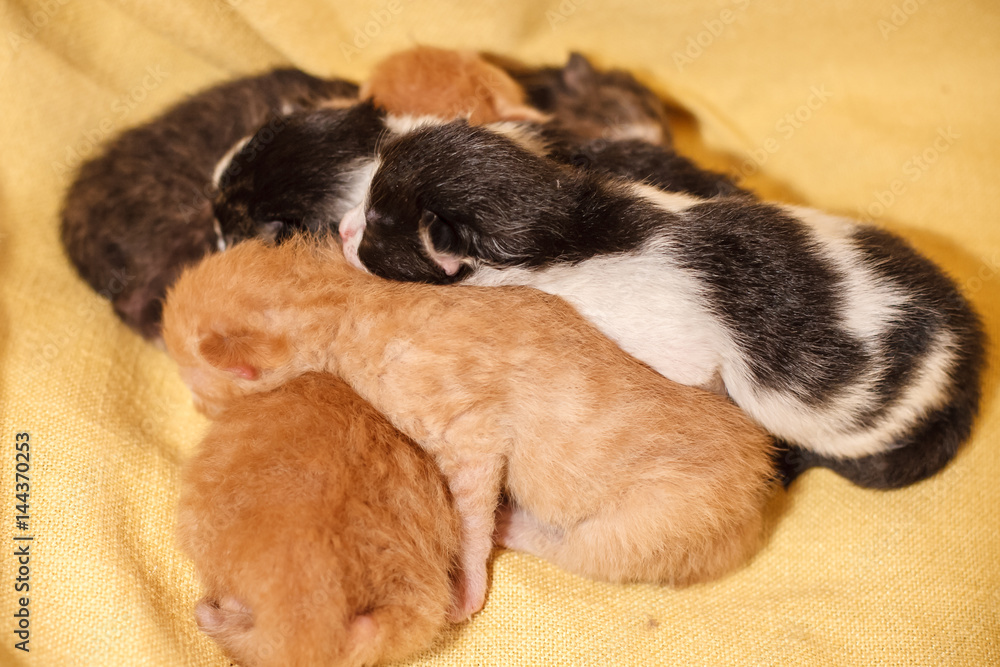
{"points": [[346, 233]]}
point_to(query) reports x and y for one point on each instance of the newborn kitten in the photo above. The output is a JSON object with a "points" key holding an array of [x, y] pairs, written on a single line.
{"points": [[322, 535], [441, 82], [835, 336], [614, 471], [606, 121], [593, 104], [317, 168], [304, 178], [141, 211]]}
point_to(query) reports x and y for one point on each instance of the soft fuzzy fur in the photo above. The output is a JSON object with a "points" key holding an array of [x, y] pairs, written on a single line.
{"points": [[614, 471], [610, 105], [308, 175], [305, 177], [322, 535], [141, 211], [837, 337], [426, 80]]}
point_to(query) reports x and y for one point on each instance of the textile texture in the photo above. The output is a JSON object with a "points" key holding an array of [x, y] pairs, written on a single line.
{"points": [[883, 110]]}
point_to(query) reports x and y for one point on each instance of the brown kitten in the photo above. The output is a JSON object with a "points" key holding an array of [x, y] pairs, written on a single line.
{"points": [[142, 210], [441, 82], [322, 535], [614, 471], [592, 103]]}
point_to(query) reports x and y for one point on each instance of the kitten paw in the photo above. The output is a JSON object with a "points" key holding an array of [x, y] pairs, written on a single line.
{"points": [[225, 617], [519, 530], [514, 528], [469, 596]]}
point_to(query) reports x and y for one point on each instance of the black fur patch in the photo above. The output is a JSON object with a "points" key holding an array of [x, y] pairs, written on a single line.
{"points": [[774, 292], [591, 103], [487, 189], [295, 172], [639, 161]]}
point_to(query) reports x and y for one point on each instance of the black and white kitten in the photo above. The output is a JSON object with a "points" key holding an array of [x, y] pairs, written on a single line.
{"points": [[837, 337], [306, 177], [318, 167]]}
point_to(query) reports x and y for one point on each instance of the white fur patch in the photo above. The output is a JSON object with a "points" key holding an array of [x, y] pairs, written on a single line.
{"points": [[651, 133], [652, 310], [829, 429], [522, 134], [220, 240], [352, 229], [675, 202], [352, 224], [401, 125], [359, 180], [337, 103], [223, 164]]}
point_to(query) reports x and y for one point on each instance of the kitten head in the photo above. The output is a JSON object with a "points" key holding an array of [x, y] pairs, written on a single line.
{"points": [[610, 105], [447, 84], [445, 197], [229, 336], [298, 172]]}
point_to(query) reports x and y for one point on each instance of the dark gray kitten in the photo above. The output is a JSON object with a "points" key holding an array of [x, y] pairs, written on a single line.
{"points": [[838, 337], [141, 211], [591, 103]]}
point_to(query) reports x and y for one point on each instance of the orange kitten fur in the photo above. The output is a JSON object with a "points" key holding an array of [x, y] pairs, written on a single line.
{"points": [[322, 535], [614, 471], [440, 82]]}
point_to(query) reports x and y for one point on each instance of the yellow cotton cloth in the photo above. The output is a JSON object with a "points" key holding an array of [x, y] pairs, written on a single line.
{"points": [[881, 109]]}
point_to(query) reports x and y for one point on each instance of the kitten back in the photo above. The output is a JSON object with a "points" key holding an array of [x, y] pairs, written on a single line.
{"points": [[321, 534]]}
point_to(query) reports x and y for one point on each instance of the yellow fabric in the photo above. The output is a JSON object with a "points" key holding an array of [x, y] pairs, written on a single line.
{"points": [[849, 576]]}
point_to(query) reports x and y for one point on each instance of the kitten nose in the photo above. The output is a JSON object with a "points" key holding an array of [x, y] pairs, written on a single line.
{"points": [[352, 223]]}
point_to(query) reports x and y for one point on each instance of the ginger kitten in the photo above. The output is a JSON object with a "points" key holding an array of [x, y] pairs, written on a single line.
{"points": [[427, 80], [322, 535], [614, 472]]}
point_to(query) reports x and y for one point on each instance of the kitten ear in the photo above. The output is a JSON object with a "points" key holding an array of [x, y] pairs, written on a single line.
{"points": [[578, 74], [508, 110], [449, 263], [244, 354], [441, 242], [271, 232], [224, 617], [364, 638]]}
